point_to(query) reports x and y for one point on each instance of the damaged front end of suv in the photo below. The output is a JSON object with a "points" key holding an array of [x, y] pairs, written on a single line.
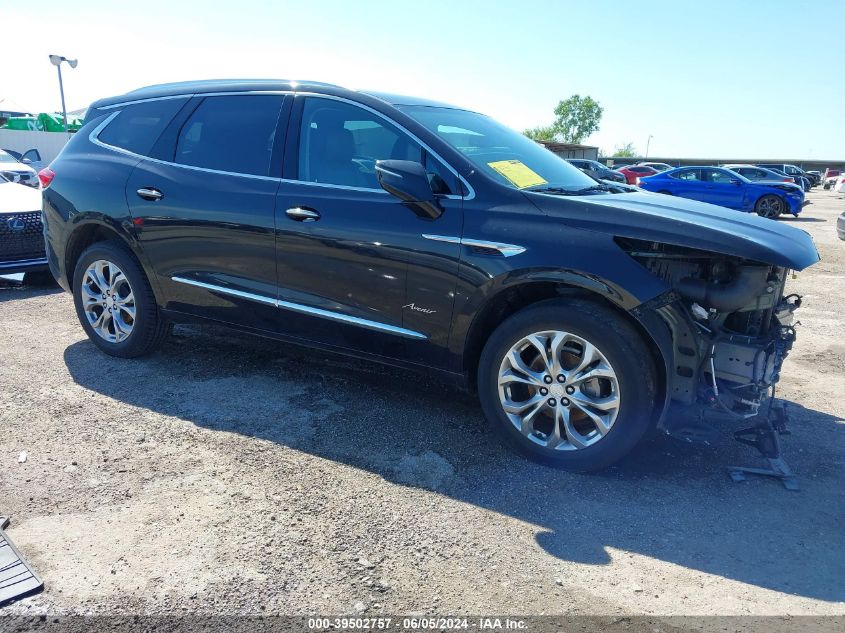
{"points": [[710, 289], [732, 325]]}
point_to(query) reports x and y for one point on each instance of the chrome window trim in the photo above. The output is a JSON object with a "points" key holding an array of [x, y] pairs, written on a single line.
{"points": [[298, 307], [508, 250], [93, 137], [197, 94], [123, 104], [331, 186]]}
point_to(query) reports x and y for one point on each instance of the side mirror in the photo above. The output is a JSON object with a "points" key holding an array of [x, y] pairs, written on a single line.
{"points": [[26, 161], [408, 181]]}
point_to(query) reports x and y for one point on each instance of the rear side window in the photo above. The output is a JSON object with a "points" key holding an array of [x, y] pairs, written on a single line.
{"points": [[137, 127], [234, 134]]}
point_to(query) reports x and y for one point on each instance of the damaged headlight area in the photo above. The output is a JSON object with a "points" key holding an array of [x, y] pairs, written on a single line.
{"points": [[731, 324]]}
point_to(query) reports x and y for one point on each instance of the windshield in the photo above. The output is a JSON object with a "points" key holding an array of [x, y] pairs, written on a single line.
{"points": [[504, 154], [6, 158]]}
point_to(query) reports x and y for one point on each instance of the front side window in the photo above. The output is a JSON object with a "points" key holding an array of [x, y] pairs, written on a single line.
{"points": [[721, 177], [137, 127], [508, 156], [234, 134], [339, 144]]}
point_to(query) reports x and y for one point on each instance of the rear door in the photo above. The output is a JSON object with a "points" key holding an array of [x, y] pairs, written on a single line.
{"points": [[689, 185], [204, 207], [355, 270]]}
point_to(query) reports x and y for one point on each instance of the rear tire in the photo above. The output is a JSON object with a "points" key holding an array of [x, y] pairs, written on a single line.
{"points": [[115, 303], [667, 193], [588, 415]]}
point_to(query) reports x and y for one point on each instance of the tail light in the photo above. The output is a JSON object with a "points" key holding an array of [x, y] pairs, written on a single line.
{"points": [[45, 176]]}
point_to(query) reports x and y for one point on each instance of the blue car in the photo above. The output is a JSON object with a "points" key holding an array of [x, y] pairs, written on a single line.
{"points": [[727, 188]]}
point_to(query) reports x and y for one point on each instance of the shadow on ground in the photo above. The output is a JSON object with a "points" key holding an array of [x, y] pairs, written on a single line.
{"points": [[800, 219], [12, 288], [669, 500]]}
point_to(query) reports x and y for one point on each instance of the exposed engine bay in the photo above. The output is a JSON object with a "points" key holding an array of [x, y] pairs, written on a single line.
{"points": [[731, 325]]}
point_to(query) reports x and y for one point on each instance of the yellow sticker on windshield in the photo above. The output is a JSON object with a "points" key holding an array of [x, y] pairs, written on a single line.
{"points": [[520, 174]]}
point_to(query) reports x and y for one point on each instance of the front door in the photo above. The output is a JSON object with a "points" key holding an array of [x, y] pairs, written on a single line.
{"points": [[724, 189], [348, 251], [205, 212]]}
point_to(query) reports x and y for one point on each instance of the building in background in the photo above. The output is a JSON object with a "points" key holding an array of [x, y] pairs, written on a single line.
{"points": [[572, 150]]}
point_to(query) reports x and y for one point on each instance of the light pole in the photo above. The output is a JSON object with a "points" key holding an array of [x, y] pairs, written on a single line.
{"points": [[57, 60], [647, 144]]}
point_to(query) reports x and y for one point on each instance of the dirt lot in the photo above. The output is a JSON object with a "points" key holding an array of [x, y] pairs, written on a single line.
{"points": [[227, 474]]}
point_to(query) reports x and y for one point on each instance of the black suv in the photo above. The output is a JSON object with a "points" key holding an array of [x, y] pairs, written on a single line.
{"points": [[415, 233]]}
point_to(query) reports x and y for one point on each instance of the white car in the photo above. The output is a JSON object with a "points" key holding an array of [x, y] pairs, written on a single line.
{"points": [[16, 171], [839, 185], [21, 230]]}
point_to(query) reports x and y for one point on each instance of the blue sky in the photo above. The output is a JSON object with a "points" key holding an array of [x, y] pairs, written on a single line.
{"points": [[716, 79]]}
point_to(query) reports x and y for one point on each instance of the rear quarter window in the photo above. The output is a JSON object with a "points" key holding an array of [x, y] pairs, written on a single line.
{"points": [[137, 127]]}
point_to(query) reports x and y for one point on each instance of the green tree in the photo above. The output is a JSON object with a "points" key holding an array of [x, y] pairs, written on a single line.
{"points": [[575, 119], [625, 151], [543, 133]]}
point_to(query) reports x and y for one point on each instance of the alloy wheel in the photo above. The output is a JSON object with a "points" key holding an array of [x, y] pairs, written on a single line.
{"points": [[559, 390], [770, 207], [108, 301]]}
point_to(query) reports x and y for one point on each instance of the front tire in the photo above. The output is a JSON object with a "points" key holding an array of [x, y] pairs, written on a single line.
{"points": [[770, 206], [115, 303], [568, 383]]}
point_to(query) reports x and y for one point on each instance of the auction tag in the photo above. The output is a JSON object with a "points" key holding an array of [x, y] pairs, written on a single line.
{"points": [[520, 174]]}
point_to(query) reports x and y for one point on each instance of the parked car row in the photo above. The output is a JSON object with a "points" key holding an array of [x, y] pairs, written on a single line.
{"points": [[727, 188], [768, 189]]}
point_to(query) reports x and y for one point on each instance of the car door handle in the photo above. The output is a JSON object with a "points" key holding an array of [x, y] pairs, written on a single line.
{"points": [[302, 215], [149, 193]]}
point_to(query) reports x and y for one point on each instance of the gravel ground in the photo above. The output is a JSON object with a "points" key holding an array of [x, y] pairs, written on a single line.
{"points": [[228, 474]]}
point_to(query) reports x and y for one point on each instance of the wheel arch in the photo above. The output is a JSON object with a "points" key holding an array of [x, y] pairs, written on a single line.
{"points": [[93, 229], [776, 194], [513, 298]]}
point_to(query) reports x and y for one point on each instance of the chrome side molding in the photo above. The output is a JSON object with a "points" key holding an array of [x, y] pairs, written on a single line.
{"points": [[298, 307], [508, 250]]}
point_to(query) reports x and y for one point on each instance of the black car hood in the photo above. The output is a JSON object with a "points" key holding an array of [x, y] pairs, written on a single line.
{"points": [[672, 220]]}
